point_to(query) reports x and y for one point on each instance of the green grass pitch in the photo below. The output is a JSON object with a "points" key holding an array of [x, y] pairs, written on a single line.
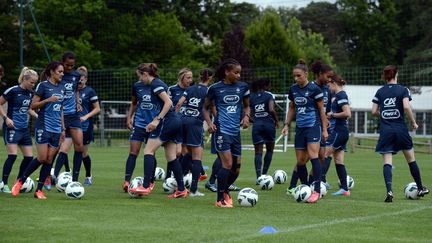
{"points": [[107, 214]]}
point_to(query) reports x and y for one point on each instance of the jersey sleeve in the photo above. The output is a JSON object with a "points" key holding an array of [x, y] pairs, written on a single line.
{"points": [[8, 94], [133, 91], [407, 94], [317, 94], [290, 94], [210, 93], [342, 99], [40, 90], [376, 99], [157, 88], [93, 96]]}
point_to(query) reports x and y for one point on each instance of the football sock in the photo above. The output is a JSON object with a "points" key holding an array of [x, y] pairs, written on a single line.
{"points": [[217, 165], [43, 174], [196, 171], [316, 168], [235, 171], [258, 164], [186, 163], [34, 164], [77, 161], [130, 166], [87, 165], [311, 178], [387, 171], [61, 160], [154, 171], [342, 174], [149, 162], [415, 172], [177, 170], [267, 161], [294, 179], [222, 184], [302, 174], [7, 167], [24, 164], [325, 168]]}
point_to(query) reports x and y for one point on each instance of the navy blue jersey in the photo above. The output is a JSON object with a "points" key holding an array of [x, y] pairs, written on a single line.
{"points": [[70, 86], [259, 105], [176, 92], [389, 100], [340, 99], [157, 87], [228, 100], [50, 115], [146, 109], [325, 89], [305, 99], [87, 99], [19, 101], [195, 96]]}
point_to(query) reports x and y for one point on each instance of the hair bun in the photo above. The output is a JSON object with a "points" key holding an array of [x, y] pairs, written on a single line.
{"points": [[301, 61]]}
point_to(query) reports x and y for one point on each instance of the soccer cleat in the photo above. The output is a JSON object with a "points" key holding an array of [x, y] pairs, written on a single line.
{"points": [[6, 189], [53, 180], [151, 186], [327, 185], [389, 197], [314, 197], [233, 187], [227, 198], [141, 191], [420, 193], [47, 183], [179, 194], [125, 186], [202, 177], [223, 204], [211, 187], [291, 190], [88, 181], [40, 195], [341, 192], [196, 194], [16, 188]]}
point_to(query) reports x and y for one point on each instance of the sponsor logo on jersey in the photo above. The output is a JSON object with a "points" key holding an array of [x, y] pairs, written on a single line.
{"points": [[390, 102], [191, 112], [231, 99], [146, 106], [300, 101], [194, 101], [390, 114]]}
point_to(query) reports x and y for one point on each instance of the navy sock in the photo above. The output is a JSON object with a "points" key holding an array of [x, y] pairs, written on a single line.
{"points": [[87, 165], [77, 160], [217, 165], [66, 165], [7, 167], [258, 164], [267, 161], [24, 164], [196, 171], [186, 163], [235, 171], [415, 172], [177, 170], [34, 164], [302, 174], [325, 168], [149, 162], [342, 174], [202, 170], [311, 178], [316, 168], [43, 174], [61, 160], [154, 171], [387, 171], [222, 182], [130, 166], [294, 179]]}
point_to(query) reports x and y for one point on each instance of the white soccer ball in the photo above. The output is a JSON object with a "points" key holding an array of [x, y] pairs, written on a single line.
{"points": [[350, 182], [187, 180], [323, 188], [1, 185], [28, 185], [247, 197], [265, 182], [74, 190], [302, 193], [62, 182], [411, 191], [280, 176], [169, 185], [65, 173], [134, 184], [159, 174]]}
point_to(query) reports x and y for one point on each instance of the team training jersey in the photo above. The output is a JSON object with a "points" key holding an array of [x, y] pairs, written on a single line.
{"points": [[175, 92], [325, 89], [70, 85], [340, 99], [307, 113], [147, 109], [228, 100], [259, 105], [389, 99], [50, 115], [19, 101], [195, 96], [87, 98]]}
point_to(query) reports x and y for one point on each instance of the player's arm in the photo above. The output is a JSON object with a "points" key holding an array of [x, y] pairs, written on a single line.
{"points": [[408, 111], [132, 109], [324, 121], [289, 118], [32, 113], [246, 109], [208, 104], [37, 103], [78, 105], [180, 103], [273, 113], [63, 128], [375, 109], [3, 114], [93, 112], [345, 114], [166, 107]]}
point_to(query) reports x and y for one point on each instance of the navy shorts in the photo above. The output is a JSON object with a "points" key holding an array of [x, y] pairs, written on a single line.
{"points": [[193, 134], [20, 137], [44, 137], [307, 135], [338, 139], [223, 142], [138, 134], [263, 133], [88, 137], [169, 129], [393, 141], [72, 122], [323, 143]]}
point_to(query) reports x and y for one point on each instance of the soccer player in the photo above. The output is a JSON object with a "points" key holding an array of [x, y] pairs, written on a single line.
{"points": [[339, 114], [49, 126], [311, 124], [265, 122], [15, 123], [231, 100], [390, 103]]}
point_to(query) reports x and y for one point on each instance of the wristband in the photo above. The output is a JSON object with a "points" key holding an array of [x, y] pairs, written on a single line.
{"points": [[4, 118]]}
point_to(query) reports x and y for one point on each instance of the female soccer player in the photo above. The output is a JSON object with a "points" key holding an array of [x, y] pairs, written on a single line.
{"points": [[49, 126], [231, 99], [390, 103], [339, 135], [265, 122], [15, 123], [308, 107]]}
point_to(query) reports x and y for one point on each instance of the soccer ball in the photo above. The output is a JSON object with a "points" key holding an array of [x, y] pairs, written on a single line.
{"points": [[136, 182], [302, 193], [187, 179], [350, 182], [65, 173], [28, 185], [323, 188], [265, 182], [280, 176], [169, 185], [62, 181], [247, 197], [159, 174], [74, 190], [411, 191]]}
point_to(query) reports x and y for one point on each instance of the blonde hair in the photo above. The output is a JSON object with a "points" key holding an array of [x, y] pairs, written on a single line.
{"points": [[26, 73], [182, 73], [82, 71]]}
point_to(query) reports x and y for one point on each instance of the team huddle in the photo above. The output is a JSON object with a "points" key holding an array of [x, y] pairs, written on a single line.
{"points": [[173, 118]]}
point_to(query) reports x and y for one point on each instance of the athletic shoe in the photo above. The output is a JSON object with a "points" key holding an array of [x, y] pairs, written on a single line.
{"points": [[47, 183], [223, 204], [314, 197], [88, 181], [202, 177], [227, 198], [233, 187], [6, 189], [40, 195], [179, 194], [327, 185], [211, 187], [151, 186], [291, 190], [53, 180], [141, 191], [125, 186], [196, 194], [389, 197], [16, 188], [420, 193], [341, 192]]}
